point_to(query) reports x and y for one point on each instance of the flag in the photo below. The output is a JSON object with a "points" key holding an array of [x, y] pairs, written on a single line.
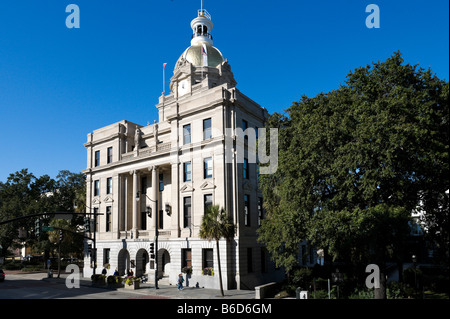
{"points": [[164, 65], [204, 52]]}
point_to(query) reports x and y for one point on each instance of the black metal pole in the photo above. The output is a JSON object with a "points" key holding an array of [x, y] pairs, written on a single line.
{"points": [[156, 245], [95, 246]]}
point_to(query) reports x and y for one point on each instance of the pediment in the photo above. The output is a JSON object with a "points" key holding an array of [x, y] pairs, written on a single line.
{"points": [[96, 201], [186, 188], [207, 185], [108, 199]]}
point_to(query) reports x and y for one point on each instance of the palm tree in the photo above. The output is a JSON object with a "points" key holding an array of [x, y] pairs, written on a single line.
{"points": [[217, 224]]}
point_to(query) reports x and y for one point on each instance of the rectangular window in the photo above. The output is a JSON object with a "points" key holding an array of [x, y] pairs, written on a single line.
{"points": [[208, 258], [244, 128], [245, 168], [263, 259], [97, 158], [109, 185], [208, 201], [187, 212], [109, 155], [260, 210], [207, 167], [207, 129], [187, 134], [244, 125], [96, 187], [187, 172], [186, 258], [246, 210], [108, 218], [161, 182], [249, 260], [106, 256]]}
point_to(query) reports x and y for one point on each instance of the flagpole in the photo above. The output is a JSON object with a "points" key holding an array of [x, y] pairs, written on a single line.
{"points": [[164, 78]]}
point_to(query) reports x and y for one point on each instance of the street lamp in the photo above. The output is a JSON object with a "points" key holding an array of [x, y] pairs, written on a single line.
{"points": [[148, 210], [414, 260], [94, 251]]}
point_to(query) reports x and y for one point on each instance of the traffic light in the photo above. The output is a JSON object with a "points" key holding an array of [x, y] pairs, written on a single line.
{"points": [[60, 236], [87, 224], [152, 250], [90, 250], [37, 227]]}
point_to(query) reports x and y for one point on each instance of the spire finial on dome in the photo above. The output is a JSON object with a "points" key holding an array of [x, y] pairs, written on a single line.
{"points": [[201, 27]]}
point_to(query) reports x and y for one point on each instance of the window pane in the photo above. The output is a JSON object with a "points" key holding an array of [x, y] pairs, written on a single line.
{"points": [[187, 134], [207, 129], [109, 185], [187, 212], [97, 158], [186, 258], [208, 260], [187, 172], [161, 182], [208, 167], [108, 218], [245, 168], [208, 201], [109, 155], [244, 125], [96, 187]]}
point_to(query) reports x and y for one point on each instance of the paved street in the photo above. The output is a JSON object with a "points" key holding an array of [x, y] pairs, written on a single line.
{"points": [[37, 286]]}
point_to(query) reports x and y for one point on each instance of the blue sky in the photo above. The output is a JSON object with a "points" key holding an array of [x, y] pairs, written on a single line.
{"points": [[59, 84]]}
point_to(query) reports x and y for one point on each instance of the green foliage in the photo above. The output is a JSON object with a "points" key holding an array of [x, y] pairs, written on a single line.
{"points": [[98, 279], [302, 277], [24, 194], [216, 224], [354, 162]]}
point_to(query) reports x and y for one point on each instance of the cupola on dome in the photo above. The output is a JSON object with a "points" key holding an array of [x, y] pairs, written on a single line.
{"points": [[201, 52]]}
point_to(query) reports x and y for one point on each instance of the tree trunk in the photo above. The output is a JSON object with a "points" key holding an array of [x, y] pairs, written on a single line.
{"points": [[220, 270]]}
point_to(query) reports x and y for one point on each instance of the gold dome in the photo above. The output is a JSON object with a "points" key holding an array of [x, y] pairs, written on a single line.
{"points": [[193, 54]]}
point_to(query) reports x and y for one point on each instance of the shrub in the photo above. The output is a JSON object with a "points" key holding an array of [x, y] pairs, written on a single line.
{"points": [[131, 280], [362, 294], [302, 277], [111, 280], [98, 279]]}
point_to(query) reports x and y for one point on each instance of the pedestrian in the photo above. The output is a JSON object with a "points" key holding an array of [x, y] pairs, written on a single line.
{"points": [[104, 271], [116, 272], [180, 282]]}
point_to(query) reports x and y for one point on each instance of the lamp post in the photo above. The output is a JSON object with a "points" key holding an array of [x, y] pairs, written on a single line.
{"points": [[94, 251], [414, 260], [149, 214]]}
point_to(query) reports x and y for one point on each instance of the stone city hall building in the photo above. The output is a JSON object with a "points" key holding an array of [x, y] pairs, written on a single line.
{"points": [[165, 175]]}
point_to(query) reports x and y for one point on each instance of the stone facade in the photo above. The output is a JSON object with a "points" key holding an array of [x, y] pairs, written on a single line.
{"points": [[173, 169]]}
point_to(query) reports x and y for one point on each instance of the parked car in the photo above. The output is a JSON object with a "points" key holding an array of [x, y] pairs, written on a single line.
{"points": [[2, 275]]}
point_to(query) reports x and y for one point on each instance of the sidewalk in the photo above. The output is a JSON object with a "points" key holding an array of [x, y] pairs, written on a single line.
{"points": [[168, 291]]}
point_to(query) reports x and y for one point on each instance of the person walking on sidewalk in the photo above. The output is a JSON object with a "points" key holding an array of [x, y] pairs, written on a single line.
{"points": [[180, 282]]}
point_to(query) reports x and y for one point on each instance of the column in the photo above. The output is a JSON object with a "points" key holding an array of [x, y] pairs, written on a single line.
{"points": [[135, 202]]}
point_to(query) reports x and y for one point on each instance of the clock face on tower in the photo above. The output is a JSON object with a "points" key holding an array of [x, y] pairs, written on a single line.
{"points": [[183, 87]]}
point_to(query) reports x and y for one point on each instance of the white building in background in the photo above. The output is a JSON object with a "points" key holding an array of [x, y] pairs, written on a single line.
{"points": [[173, 169]]}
